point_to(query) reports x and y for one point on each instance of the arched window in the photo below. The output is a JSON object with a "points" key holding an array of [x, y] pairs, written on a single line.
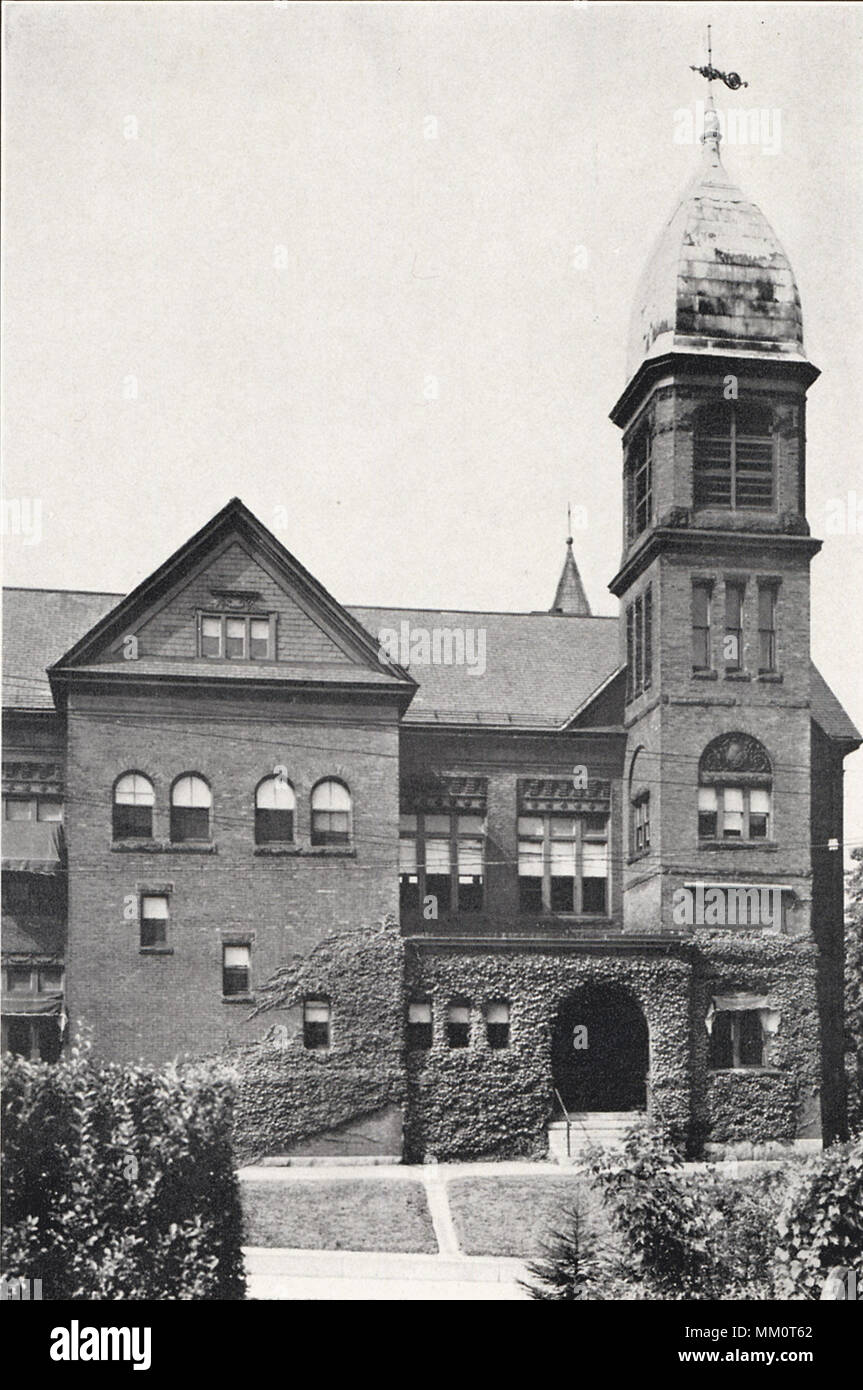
{"points": [[133, 807], [191, 800], [331, 814], [275, 804], [735, 781], [733, 456]]}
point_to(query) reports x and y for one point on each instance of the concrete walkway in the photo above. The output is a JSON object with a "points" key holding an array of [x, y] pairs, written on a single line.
{"points": [[347, 1275], [274, 1273]]}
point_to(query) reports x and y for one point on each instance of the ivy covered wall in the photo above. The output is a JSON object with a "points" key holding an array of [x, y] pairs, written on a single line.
{"points": [[461, 1103], [781, 1102], [288, 1093], [480, 1102]]}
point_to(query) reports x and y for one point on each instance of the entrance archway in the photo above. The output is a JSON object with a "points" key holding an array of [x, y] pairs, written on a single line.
{"points": [[601, 1051]]}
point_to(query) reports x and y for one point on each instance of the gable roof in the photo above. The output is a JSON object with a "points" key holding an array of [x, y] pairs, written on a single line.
{"points": [[39, 625], [539, 668], [348, 654], [828, 712]]}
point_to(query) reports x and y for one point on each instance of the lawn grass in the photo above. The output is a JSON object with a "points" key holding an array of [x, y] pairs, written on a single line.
{"points": [[513, 1215], [334, 1214]]}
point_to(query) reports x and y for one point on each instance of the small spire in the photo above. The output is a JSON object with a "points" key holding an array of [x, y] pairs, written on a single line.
{"points": [[570, 596]]}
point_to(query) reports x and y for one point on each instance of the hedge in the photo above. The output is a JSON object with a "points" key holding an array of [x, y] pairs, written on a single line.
{"points": [[119, 1181]]}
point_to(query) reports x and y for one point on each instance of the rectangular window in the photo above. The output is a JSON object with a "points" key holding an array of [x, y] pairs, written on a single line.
{"points": [[767, 627], [50, 979], [736, 1040], [594, 868], [458, 1023], [442, 856], [563, 864], [630, 652], [18, 979], [420, 1023], [759, 814], [49, 808], [707, 813], [732, 647], [648, 636], [642, 485], [639, 644], [641, 824], [530, 863], [236, 970], [732, 813], [701, 596], [497, 1023], [211, 637], [409, 883], [438, 861], [154, 919], [237, 638], [19, 808], [259, 639], [316, 1024], [735, 813]]}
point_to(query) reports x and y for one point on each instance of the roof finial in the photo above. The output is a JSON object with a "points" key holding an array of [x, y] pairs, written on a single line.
{"points": [[731, 79], [712, 131], [569, 523]]}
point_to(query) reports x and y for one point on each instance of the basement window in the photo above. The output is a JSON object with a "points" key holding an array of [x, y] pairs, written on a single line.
{"points": [[458, 1023], [316, 1024], [419, 1024], [497, 1023]]}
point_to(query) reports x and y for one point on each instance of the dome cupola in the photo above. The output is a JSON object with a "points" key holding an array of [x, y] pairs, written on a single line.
{"points": [[718, 280]]}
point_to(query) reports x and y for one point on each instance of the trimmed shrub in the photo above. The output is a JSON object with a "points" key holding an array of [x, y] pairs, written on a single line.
{"points": [[119, 1181], [821, 1222]]}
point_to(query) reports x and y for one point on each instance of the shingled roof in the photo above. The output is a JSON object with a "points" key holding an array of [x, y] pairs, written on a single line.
{"points": [[539, 668]]}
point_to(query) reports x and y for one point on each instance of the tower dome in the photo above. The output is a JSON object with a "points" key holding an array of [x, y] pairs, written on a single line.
{"points": [[718, 280]]}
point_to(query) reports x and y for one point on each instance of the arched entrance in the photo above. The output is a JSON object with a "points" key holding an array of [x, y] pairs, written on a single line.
{"points": [[600, 1051]]}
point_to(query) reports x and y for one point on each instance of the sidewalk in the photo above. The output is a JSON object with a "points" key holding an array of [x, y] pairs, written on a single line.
{"points": [[345, 1275]]}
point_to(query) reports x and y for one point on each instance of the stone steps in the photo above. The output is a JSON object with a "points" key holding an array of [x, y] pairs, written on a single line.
{"points": [[605, 1127]]}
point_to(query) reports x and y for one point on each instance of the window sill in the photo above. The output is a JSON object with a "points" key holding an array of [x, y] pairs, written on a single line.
{"points": [[698, 675], [581, 919], [770, 677], [745, 1071], [770, 845], [277, 849], [238, 999], [155, 950], [638, 856], [329, 851], [162, 847], [737, 676]]}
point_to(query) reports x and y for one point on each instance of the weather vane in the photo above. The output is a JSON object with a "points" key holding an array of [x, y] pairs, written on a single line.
{"points": [[731, 79]]}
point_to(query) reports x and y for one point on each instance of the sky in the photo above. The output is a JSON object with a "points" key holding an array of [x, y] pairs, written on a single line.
{"points": [[370, 267]]}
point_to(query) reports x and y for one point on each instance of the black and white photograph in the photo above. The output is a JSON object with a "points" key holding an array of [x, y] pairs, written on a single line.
{"points": [[432, 521]]}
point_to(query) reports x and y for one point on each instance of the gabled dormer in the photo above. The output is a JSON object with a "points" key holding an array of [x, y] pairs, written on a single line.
{"points": [[231, 606]]}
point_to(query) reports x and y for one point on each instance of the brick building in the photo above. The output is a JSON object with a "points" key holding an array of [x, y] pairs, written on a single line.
{"points": [[606, 841]]}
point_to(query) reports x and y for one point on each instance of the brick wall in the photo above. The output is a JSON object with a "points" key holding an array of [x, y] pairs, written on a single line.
{"points": [[158, 1006]]}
